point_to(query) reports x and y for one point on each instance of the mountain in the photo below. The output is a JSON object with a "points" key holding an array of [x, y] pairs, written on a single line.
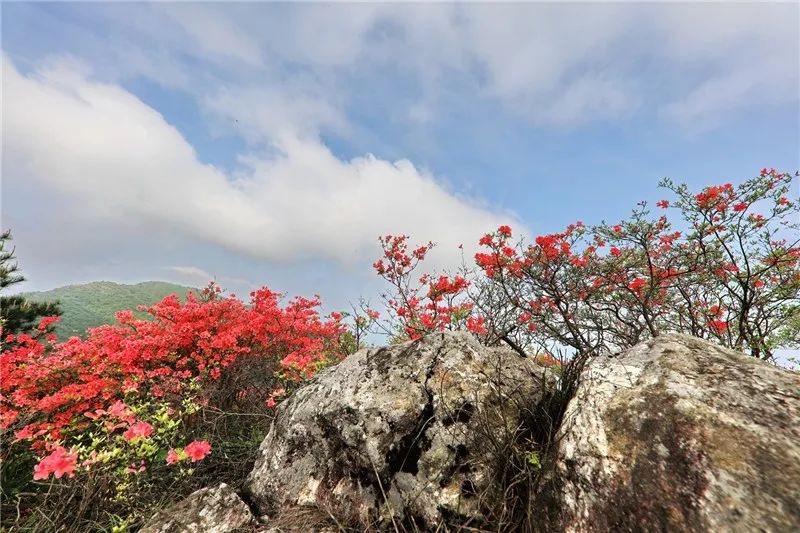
{"points": [[93, 304]]}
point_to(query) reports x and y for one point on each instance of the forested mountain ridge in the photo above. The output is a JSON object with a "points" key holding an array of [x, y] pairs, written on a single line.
{"points": [[93, 304]]}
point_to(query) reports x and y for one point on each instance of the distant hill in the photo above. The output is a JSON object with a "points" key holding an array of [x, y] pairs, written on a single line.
{"points": [[94, 304]]}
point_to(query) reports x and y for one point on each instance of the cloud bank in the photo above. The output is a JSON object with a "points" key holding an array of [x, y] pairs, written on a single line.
{"points": [[112, 157]]}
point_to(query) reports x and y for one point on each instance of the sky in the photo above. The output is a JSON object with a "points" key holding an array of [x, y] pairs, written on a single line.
{"points": [[270, 144]]}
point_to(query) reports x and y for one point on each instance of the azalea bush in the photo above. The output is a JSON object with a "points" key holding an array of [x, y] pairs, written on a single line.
{"points": [[745, 242], [727, 267], [150, 402]]}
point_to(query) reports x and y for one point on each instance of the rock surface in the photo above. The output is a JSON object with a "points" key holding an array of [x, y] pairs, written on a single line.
{"points": [[406, 434], [211, 510], [678, 434]]}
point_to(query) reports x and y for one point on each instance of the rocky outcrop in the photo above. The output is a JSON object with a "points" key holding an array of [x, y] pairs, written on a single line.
{"points": [[679, 434], [676, 434], [210, 510], [411, 434]]}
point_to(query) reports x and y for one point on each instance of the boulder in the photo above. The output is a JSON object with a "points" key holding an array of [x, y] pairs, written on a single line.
{"points": [[408, 435], [679, 434], [210, 510]]}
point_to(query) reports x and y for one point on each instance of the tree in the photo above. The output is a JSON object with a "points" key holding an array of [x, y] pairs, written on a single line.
{"points": [[18, 314], [728, 270], [421, 305]]}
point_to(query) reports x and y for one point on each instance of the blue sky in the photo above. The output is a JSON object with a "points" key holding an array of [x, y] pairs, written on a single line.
{"points": [[271, 143]]}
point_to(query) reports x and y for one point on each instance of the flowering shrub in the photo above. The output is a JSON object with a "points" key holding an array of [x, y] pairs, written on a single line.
{"points": [[745, 245], [541, 288], [729, 270], [126, 400]]}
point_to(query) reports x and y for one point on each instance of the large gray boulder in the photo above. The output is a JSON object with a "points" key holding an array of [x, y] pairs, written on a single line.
{"points": [[411, 434], [210, 510], [679, 434]]}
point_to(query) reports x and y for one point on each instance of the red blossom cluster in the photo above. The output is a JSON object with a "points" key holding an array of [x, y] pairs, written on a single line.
{"points": [[717, 197], [197, 450], [49, 391], [431, 303], [504, 258]]}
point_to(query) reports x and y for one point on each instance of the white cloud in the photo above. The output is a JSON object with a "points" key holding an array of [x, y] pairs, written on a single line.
{"points": [[214, 31], [341, 206], [530, 53], [113, 158], [192, 274], [706, 105], [261, 114], [590, 98], [197, 277], [553, 63], [749, 54]]}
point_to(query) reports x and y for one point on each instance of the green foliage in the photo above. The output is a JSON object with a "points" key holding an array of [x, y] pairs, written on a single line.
{"points": [[534, 460], [94, 304]]}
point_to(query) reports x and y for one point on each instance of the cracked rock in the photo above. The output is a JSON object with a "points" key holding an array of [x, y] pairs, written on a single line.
{"points": [[407, 433]]}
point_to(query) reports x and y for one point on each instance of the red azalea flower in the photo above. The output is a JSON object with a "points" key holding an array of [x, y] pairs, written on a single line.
{"points": [[197, 450], [476, 325], [172, 457], [58, 463], [139, 429], [718, 326]]}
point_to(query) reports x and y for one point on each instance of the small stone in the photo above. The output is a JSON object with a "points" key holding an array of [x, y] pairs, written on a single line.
{"points": [[210, 510]]}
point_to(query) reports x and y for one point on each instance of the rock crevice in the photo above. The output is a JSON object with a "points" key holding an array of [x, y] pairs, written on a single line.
{"points": [[405, 456]]}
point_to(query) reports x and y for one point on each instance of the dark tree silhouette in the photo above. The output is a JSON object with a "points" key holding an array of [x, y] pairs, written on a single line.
{"points": [[18, 314]]}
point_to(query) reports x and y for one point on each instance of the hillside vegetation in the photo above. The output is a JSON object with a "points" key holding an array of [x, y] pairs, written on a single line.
{"points": [[94, 304]]}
